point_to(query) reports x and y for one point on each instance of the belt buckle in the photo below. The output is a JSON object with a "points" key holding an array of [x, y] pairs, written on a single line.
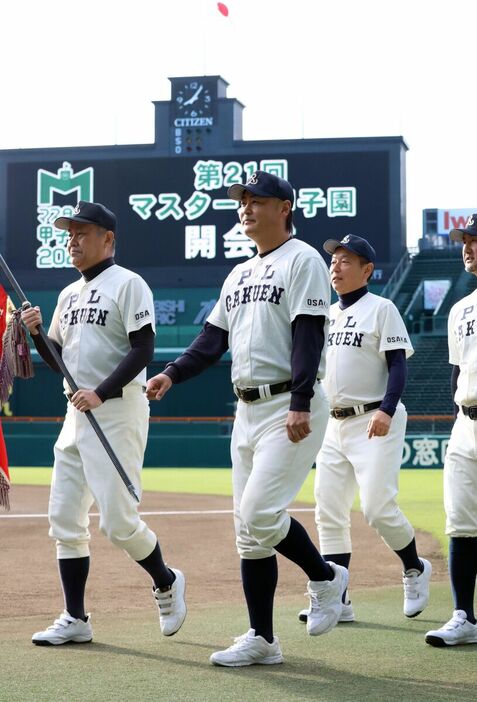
{"points": [[338, 413], [240, 392], [473, 412]]}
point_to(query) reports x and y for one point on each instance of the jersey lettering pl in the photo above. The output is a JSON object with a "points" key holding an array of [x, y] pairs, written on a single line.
{"points": [[260, 299], [358, 338], [92, 321], [462, 340]]}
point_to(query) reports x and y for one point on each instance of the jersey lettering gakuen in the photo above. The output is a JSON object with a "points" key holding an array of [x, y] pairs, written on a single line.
{"points": [[358, 338], [92, 322], [462, 341], [258, 303]]}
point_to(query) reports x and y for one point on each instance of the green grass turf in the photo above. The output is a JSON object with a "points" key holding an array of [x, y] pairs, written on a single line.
{"points": [[420, 495], [381, 657]]}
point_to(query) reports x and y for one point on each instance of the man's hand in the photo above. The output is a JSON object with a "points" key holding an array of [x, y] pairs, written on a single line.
{"points": [[298, 426], [157, 386], [379, 424], [85, 400], [31, 318]]}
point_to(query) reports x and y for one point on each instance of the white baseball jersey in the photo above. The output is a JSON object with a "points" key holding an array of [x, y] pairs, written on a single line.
{"points": [[358, 338], [462, 339], [260, 299], [92, 321], [460, 475]]}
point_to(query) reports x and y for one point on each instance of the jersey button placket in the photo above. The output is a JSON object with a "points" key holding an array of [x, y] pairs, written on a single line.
{"points": [[81, 332], [245, 357]]}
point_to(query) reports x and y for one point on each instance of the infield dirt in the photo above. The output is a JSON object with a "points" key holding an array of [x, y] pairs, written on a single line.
{"points": [[198, 541]]}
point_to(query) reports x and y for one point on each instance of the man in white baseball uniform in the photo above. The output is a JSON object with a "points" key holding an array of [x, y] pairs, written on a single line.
{"points": [[460, 466], [362, 450], [103, 328], [273, 314]]}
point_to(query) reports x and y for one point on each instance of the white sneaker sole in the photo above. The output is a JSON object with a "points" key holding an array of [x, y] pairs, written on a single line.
{"points": [[440, 642], [74, 640], [271, 660], [347, 617]]}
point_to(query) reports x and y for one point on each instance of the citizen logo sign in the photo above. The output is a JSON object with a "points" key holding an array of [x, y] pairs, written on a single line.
{"points": [[194, 122]]}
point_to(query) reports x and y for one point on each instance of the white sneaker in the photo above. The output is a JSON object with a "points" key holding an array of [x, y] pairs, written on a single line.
{"points": [[171, 605], [249, 649], [347, 613], [457, 631], [325, 601], [416, 589], [65, 629]]}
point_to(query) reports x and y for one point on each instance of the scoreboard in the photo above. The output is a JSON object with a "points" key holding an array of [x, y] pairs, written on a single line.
{"points": [[175, 214], [176, 226]]}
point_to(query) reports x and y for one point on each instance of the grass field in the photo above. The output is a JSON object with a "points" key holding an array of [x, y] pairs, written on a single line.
{"points": [[382, 657]]}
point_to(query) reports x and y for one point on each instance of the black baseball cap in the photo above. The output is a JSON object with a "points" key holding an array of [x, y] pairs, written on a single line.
{"points": [[264, 185], [470, 228], [89, 213], [353, 243]]}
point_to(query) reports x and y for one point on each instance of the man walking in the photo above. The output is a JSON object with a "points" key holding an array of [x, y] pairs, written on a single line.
{"points": [[103, 327], [362, 449], [460, 465], [273, 314]]}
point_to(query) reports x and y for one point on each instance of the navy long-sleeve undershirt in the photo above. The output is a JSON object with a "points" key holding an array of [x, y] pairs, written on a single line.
{"points": [[307, 346], [139, 356], [395, 359]]}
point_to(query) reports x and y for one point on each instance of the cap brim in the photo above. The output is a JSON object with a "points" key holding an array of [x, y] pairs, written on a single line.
{"points": [[458, 234], [236, 191], [64, 222], [331, 245]]}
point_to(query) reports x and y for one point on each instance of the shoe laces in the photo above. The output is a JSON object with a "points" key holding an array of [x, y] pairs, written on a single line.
{"points": [[241, 641], [316, 598]]}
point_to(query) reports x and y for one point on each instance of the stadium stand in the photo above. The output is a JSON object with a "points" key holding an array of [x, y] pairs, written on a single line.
{"points": [[428, 386]]}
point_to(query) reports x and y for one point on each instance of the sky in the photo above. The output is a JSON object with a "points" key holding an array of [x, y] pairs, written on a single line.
{"points": [[86, 73]]}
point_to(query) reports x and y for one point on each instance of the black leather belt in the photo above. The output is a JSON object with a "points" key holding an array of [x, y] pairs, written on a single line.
{"points": [[470, 412], [252, 394], [343, 412]]}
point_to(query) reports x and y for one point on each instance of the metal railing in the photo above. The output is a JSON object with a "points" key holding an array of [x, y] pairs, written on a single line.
{"points": [[427, 325], [396, 279]]}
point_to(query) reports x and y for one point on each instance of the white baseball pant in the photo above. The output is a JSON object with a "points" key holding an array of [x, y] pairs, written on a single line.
{"points": [[348, 461], [268, 470], [460, 479], [83, 473]]}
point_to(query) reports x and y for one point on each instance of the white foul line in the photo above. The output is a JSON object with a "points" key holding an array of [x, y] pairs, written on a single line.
{"points": [[164, 513]]}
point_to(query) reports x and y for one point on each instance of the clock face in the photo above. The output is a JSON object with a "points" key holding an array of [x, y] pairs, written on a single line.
{"points": [[194, 99]]}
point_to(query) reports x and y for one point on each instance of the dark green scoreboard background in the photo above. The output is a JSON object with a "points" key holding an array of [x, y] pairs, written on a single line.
{"points": [[155, 246]]}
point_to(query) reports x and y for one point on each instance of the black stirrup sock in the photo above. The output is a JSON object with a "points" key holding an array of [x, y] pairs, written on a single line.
{"points": [[73, 574], [162, 575], [259, 581]]}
